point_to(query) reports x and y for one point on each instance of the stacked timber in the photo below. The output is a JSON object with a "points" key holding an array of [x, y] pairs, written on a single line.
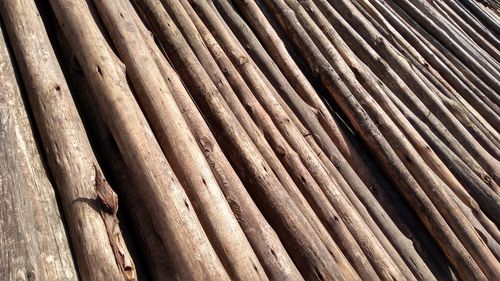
{"points": [[249, 140]]}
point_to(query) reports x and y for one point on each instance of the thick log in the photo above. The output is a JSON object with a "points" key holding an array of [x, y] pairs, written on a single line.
{"points": [[290, 160], [264, 240], [311, 257], [169, 207], [179, 145], [88, 202], [253, 77], [159, 265], [35, 243]]}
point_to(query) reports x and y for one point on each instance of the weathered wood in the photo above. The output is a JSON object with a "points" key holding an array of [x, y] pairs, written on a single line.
{"points": [[288, 157], [93, 227], [253, 77], [292, 83], [440, 58], [349, 104], [171, 211], [383, 48], [173, 134], [158, 262], [311, 257], [481, 68], [250, 140], [456, 146], [35, 245], [277, 50], [254, 132], [265, 242]]}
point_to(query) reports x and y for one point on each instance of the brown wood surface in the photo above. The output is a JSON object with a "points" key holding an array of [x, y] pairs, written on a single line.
{"points": [[35, 245]]}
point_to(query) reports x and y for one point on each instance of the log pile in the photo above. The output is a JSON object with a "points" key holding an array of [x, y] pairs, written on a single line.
{"points": [[249, 140]]}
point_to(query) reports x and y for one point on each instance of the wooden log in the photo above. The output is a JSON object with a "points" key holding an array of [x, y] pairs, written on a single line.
{"points": [[290, 160], [448, 178], [273, 43], [467, 234], [179, 145], [281, 56], [159, 265], [171, 211], [231, 101], [329, 79], [473, 22], [435, 15], [475, 186], [416, 264], [433, 43], [477, 151], [209, 64], [385, 50], [263, 238], [311, 257], [483, 70], [357, 227], [351, 59], [456, 145], [292, 83], [474, 34], [481, 15], [35, 243], [88, 202], [439, 58]]}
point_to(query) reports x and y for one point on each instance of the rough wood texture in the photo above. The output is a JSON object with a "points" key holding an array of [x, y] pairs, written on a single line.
{"points": [[265, 242], [310, 255], [254, 139], [174, 134], [169, 207], [93, 228], [34, 242]]}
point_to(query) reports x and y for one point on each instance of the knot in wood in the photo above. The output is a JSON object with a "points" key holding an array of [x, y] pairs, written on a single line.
{"points": [[242, 61]]}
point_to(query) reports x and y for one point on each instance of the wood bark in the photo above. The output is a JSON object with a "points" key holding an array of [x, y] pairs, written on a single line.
{"points": [[89, 203], [173, 134], [295, 138], [159, 265], [349, 104], [250, 140], [35, 243], [172, 213], [263, 238], [311, 257]]}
